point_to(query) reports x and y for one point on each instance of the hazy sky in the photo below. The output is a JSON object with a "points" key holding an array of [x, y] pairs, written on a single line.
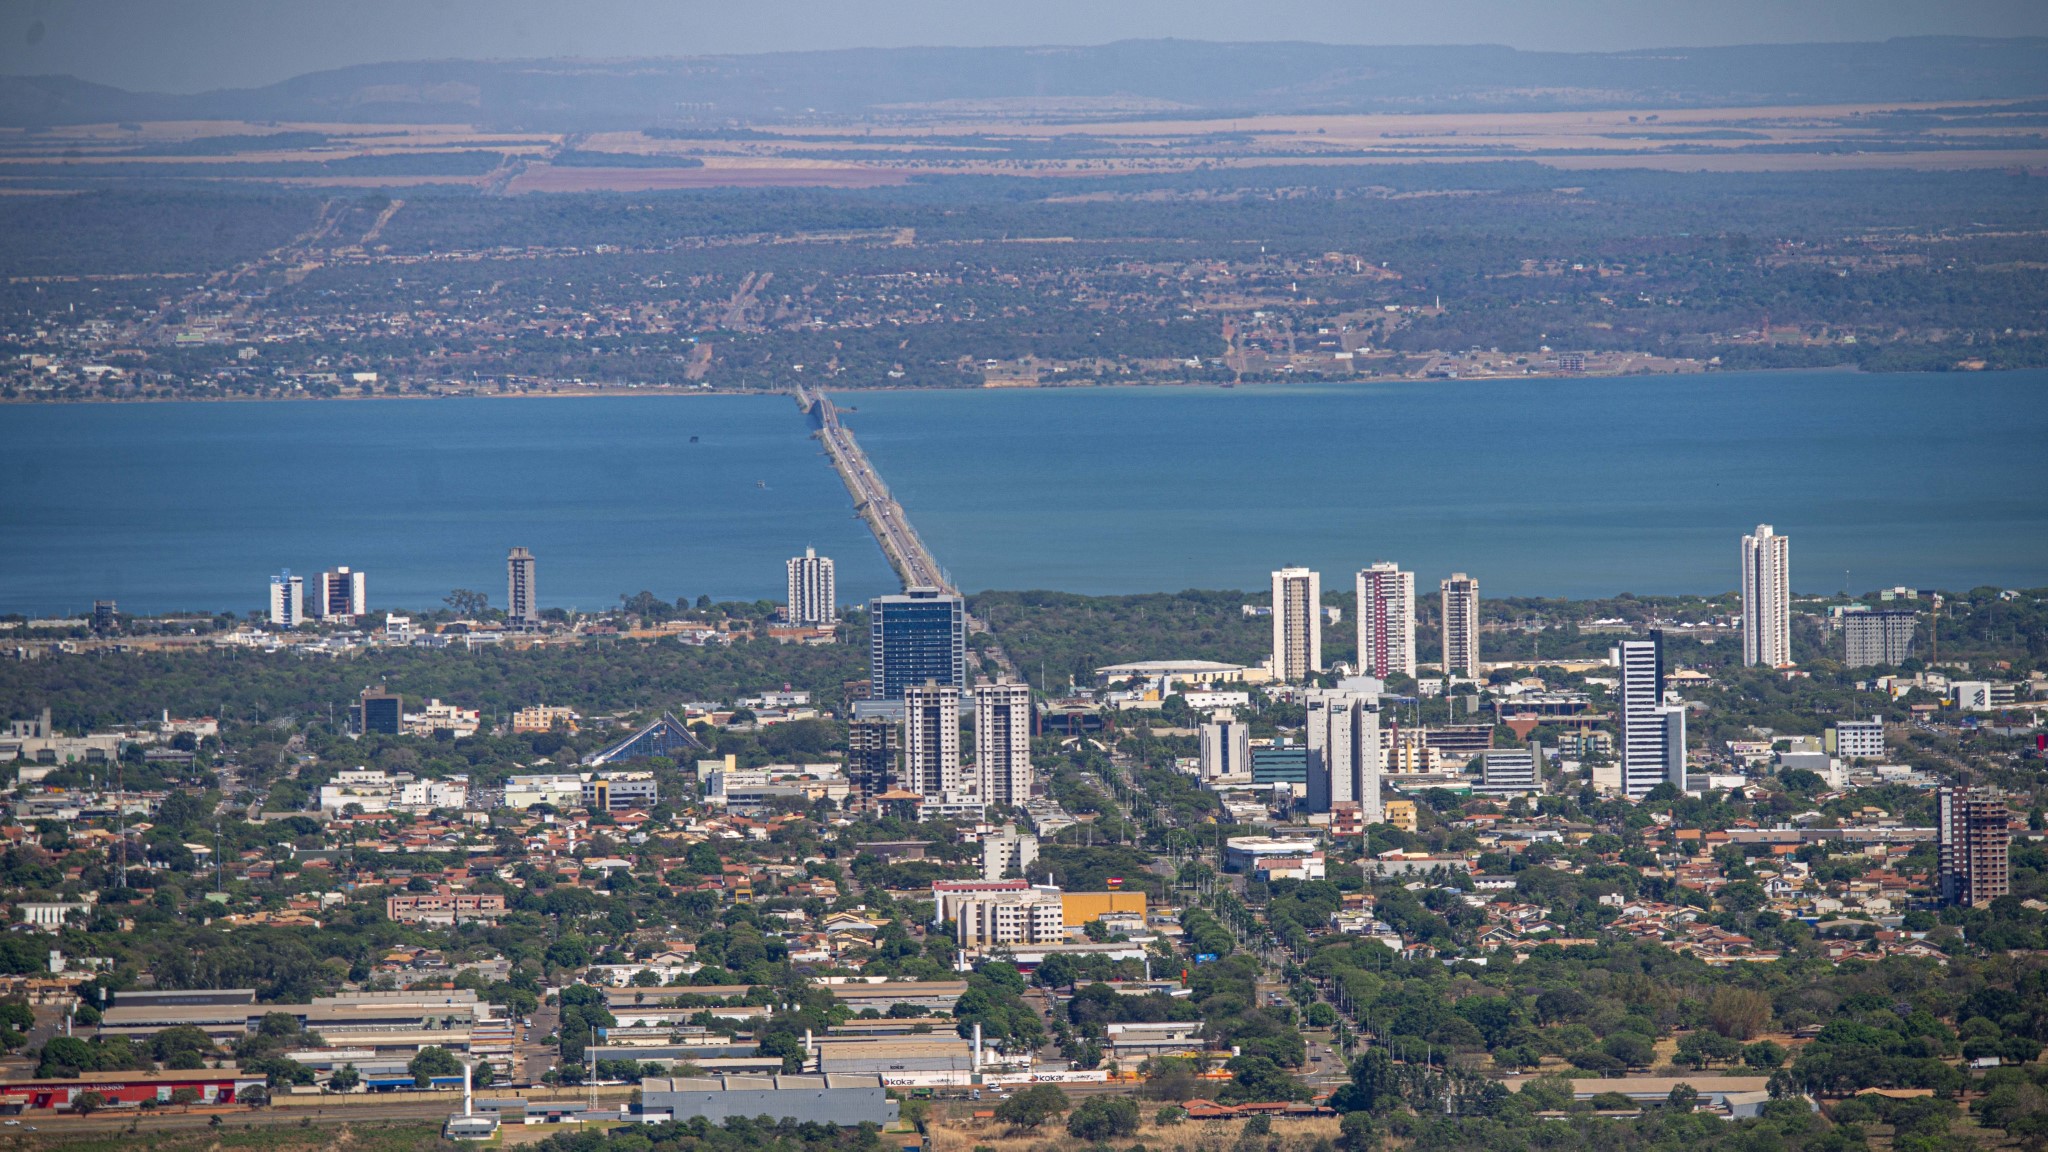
{"points": [[192, 45]]}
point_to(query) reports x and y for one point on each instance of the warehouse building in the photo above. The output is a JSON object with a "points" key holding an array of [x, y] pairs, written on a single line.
{"points": [[845, 1099]]}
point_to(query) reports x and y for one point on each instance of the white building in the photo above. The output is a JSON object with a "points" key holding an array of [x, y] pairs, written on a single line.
{"points": [[1766, 598], [1034, 916], [1510, 772], [340, 594], [398, 629], [1461, 626], [1297, 624], [1226, 749], [1386, 621], [931, 739], [287, 599], [1344, 755], [437, 717], [1002, 743], [1857, 739], [1007, 851], [813, 591], [1652, 733], [558, 790]]}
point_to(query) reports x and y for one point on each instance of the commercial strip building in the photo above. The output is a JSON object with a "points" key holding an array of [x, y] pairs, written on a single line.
{"points": [[129, 1089], [1766, 598]]}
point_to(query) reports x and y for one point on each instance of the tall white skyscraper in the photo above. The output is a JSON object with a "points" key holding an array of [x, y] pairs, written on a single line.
{"points": [[813, 593], [1652, 732], [1461, 626], [1297, 624], [931, 739], [1767, 598], [287, 599], [1386, 621], [522, 600], [1344, 761], [340, 594], [1226, 747], [1002, 743]]}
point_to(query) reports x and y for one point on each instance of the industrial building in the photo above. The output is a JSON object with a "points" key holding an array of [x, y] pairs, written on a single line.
{"points": [[845, 1099]]}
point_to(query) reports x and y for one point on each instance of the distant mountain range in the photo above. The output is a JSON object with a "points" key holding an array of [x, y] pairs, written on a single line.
{"points": [[1137, 77]]}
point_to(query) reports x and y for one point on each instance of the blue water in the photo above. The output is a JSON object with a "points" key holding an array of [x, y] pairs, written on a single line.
{"points": [[1551, 487], [1576, 487], [180, 506]]}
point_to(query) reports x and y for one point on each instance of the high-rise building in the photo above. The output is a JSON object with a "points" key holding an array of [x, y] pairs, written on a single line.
{"points": [[1766, 598], [1873, 638], [340, 594], [1226, 748], [918, 636], [522, 599], [872, 746], [1974, 834], [1008, 851], [813, 592], [1652, 732], [931, 739], [1386, 621], [287, 599], [1461, 626], [106, 616], [1297, 624], [1344, 762], [1002, 743]]}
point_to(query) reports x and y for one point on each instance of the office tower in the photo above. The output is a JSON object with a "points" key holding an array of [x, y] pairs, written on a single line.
{"points": [[340, 594], [1344, 764], [380, 711], [1873, 638], [1974, 833], [1386, 621], [931, 739], [1461, 626], [1652, 732], [1002, 743], [1510, 771], [871, 749], [1226, 748], [287, 599], [813, 592], [914, 637], [1766, 598], [106, 616], [1856, 739], [1297, 624], [522, 597]]}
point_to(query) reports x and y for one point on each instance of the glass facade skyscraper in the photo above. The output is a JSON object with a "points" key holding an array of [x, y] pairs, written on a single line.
{"points": [[915, 637]]}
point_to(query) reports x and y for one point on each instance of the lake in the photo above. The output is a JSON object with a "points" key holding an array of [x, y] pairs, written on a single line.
{"points": [[1536, 487]]}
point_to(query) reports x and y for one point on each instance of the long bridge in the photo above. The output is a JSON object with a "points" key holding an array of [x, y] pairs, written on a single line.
{"points": [[900, 543]]}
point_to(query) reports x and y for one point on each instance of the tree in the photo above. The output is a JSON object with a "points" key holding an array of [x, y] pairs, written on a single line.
{"points": [[184, 1097], [1357, 1132], [345, 1079], [1104, 1118], [88, 1103], [432, 1062], [1683, 1098], [1738, 1013], [466, 602], [1032, 1107]]}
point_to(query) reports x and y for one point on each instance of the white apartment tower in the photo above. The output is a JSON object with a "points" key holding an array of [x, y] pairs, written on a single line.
{"points": [[1461, 626], [1344, 760], [1386, 621], [1297, 624], [287, 599], [522, 601], [340, 594], [1766, 598], [1002, 743], [1652, 732], [931, 739], [813, 593], [1226, 748]]}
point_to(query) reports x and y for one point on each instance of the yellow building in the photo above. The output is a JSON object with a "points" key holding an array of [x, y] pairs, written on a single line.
{"points": [[1401, 814], [1078, 908]]}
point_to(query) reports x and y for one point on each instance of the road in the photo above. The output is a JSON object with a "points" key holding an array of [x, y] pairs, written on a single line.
{"points": [[906, 553]]}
